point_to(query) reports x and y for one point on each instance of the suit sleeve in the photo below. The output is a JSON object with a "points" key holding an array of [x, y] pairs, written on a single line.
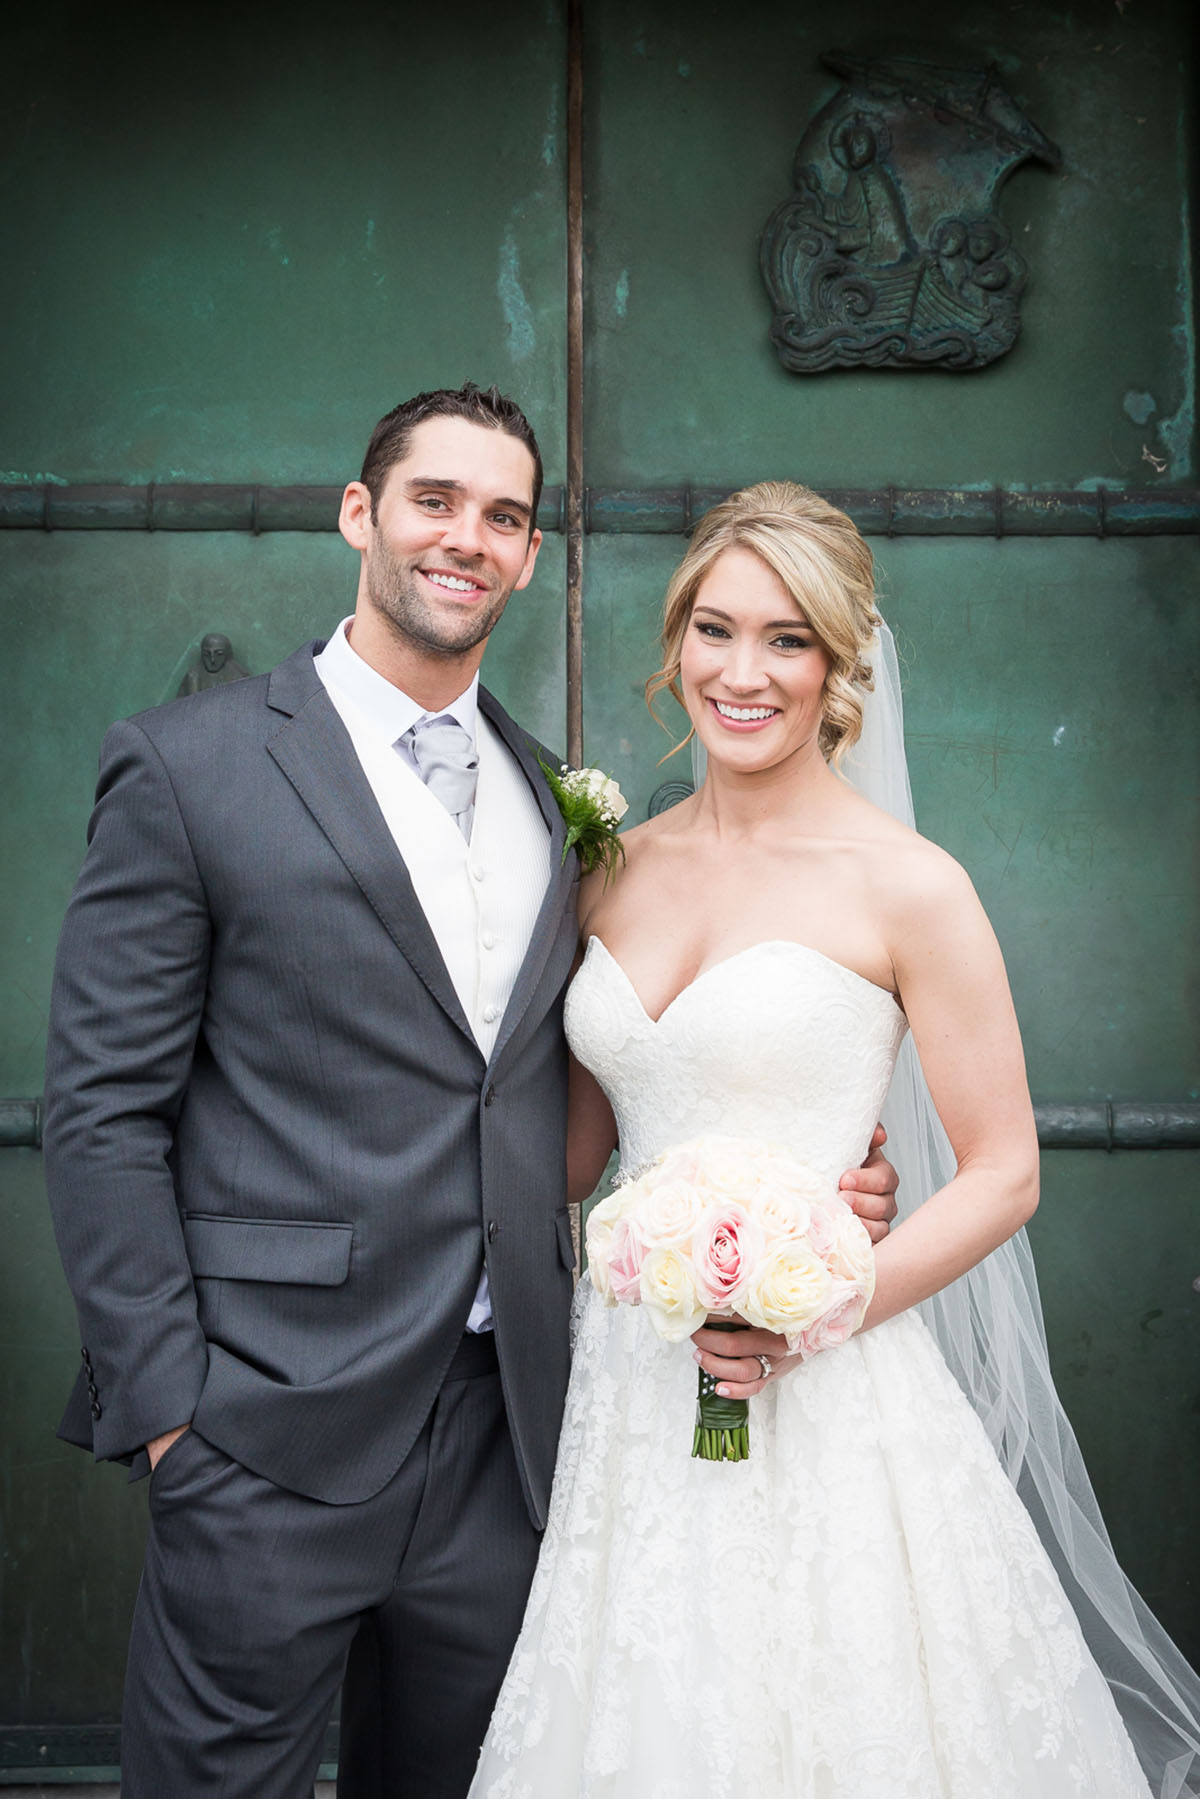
{"points": [[128, 997]]}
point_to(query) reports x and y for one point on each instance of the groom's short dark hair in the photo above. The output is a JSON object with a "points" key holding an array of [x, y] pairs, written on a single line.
{"points": [[480, 406]]}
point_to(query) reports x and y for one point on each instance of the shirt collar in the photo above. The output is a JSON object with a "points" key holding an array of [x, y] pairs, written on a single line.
{"points": [[387, 708]]}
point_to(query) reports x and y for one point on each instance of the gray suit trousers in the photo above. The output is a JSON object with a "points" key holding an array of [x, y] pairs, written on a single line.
{"points": [[253, 1596]]}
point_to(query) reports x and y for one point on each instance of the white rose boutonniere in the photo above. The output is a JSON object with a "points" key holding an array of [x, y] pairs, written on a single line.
{"points": [[592, 806]]}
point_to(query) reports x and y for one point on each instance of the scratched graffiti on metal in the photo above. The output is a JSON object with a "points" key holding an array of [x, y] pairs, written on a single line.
{"points": [[890, 251]]}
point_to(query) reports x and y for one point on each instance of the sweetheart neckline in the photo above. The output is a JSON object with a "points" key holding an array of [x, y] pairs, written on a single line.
{"points": [[805, 949]]}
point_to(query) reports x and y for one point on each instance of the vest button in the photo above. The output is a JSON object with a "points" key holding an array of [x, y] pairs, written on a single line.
{"points": [[489, 1096]]}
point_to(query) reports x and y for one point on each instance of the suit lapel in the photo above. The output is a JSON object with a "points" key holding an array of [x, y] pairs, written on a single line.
{"points": [[560, 889], [314, 751]]}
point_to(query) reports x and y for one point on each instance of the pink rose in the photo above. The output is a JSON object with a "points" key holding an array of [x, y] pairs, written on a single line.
{"points": [[626, 1253], [821, 1232], [725, 1250], [853, 1255], [838, 1323]]}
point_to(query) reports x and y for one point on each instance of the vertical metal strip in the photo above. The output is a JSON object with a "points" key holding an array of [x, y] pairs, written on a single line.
{"points": [[575, 491]]}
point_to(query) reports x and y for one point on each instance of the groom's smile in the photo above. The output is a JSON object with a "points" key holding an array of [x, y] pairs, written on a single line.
{"points": [[452, 583], [449, 538]]}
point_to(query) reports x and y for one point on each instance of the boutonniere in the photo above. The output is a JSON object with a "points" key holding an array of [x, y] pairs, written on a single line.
{"points": [[592, 806]]}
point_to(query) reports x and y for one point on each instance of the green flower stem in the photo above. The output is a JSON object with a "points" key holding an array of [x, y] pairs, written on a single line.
{"points": [[722, 1431]]}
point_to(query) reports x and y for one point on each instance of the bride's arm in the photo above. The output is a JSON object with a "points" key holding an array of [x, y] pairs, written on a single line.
{"points": [[591, 1133], [950, 975]]}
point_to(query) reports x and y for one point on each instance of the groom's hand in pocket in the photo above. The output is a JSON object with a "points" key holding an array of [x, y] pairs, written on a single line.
{"points": [[157, 1447], [870, 1191]]}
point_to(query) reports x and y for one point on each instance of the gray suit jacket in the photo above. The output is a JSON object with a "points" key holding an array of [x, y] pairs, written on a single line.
{"points": [[276, 1157]]}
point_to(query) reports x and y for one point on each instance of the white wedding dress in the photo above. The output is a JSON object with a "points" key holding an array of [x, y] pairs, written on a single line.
{"points": [[863, 1609]]}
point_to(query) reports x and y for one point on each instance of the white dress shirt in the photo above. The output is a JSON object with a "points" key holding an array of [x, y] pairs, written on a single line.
{"points": [[481, 897]]}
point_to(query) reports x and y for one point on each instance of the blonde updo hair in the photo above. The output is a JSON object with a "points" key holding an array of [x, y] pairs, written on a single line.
{"points": [[822, 560]]}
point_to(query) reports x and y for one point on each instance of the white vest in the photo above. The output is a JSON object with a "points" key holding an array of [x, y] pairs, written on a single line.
{"points": [[481, 899]]}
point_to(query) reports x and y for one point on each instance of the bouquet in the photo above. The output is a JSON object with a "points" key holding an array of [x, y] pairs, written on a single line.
{"points": [[732, 1226]]}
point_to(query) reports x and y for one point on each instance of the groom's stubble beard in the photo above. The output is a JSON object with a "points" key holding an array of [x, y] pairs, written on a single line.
{"points": [[394, 590]]}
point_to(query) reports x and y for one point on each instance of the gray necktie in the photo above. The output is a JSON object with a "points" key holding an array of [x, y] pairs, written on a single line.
{"points": [[448, 763]]}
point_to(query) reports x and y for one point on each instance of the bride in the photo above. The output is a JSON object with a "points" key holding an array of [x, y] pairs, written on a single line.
{"points": [[863, 1609]]}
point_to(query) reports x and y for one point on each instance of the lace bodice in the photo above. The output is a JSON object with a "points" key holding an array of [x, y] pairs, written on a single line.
{"points": [[776, 1042]]}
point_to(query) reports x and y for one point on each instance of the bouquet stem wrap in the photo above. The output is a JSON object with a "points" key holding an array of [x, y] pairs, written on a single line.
{"points": [[722, 1425]]}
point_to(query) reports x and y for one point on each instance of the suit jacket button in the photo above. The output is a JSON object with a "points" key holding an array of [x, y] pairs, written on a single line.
{"points": [[97, 1408], [87, 1360], [493, 1227], [489, 1096], [92, 1393]]}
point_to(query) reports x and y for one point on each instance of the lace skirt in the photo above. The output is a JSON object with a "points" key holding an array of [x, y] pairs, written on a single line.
{"points": [[860, 1611]]}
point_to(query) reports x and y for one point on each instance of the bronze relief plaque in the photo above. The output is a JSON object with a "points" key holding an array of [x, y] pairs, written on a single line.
{"points": [[890, 251]]}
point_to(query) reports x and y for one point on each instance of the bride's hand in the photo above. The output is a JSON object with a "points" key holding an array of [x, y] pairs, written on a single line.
{"points": [[742, 1375]]}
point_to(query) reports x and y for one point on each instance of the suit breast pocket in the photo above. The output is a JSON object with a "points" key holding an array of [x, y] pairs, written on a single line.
{"points": [[277, 1250]]}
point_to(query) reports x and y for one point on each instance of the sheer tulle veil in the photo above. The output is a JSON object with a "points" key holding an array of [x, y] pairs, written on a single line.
{"points": [[989, 1327]]}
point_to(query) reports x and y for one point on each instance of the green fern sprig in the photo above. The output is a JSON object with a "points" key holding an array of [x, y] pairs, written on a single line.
{"points": [[592, 807]]}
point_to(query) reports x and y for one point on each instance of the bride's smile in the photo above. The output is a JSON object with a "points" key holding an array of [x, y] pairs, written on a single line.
{"points": [[751, 666]]}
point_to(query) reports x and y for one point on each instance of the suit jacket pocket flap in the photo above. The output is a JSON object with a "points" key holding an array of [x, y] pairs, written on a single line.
{"points": [[267, 1249]]}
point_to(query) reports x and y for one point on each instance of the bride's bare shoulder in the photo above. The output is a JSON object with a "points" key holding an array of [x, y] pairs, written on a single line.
{"points": [[639, 846], [901, 864], [919, 887]]}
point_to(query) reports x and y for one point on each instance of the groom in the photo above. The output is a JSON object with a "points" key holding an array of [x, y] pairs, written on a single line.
{"points": [[304, 1147]]}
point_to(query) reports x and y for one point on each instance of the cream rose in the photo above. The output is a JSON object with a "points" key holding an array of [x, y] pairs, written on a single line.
{"points": [[669, 1295], [780, 1215], [600, 788], [597, 1236], [682, 1163], [729, 1168], [788, 1290], [669, 1212]]}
